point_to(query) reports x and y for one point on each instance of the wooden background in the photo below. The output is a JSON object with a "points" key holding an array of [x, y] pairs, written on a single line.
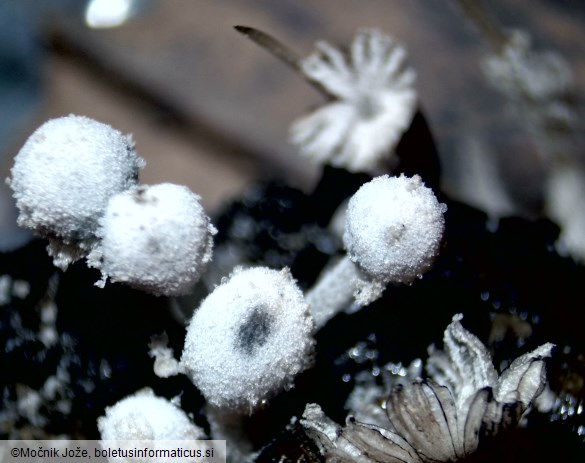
{"points": [[211, 110]]}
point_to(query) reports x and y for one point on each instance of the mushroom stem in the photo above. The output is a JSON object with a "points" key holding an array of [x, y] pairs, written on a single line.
{"points": [[226, 424], [334, 291]]}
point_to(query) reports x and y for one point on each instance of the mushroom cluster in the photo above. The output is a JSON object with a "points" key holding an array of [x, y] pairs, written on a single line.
{"points": [[75, 182], [155, 238]]}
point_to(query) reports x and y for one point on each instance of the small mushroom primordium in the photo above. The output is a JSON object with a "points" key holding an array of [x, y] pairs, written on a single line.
{"points": [[393, 228]]}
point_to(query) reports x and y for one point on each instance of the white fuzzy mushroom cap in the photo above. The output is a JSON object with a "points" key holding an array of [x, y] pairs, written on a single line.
{"points": [[65, 174], [249, 338], [394, 227], [155, 238], [144, 415]]}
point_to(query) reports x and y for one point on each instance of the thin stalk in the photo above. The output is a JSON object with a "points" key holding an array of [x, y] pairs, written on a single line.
{"points": [[487, 26], [283, 53], [334, 291]]}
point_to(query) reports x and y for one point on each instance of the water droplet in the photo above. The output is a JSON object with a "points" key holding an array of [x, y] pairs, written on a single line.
{"points": [[346, 378], [566, 349], [485, 295], [492, 225], [105, 369]]}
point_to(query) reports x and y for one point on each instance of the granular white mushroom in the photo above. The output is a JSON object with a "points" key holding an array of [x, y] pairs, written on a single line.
{"points": [[393, 229], [64, 176], [249, 339], [144, 415], [154, 238]]}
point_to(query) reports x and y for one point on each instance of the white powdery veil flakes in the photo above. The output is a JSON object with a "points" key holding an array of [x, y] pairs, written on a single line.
{"points": [[374, 101]]}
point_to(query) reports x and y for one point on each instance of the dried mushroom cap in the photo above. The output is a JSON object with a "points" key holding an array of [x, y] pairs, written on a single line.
{"points": [[144, 415], [373, 103], [444, 417], [465, 366], [394, 226], [65, 174], [155, 238], [249, 338]]}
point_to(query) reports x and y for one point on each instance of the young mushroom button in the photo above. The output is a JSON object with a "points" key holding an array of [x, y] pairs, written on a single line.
{"points": [[154, 238], [249, 339], [63, 178], [143, 415], [393, 230]]}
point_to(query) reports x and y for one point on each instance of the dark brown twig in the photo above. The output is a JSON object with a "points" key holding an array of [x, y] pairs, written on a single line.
{"points": [[487, 25], [270, 44], [283, 53]]}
